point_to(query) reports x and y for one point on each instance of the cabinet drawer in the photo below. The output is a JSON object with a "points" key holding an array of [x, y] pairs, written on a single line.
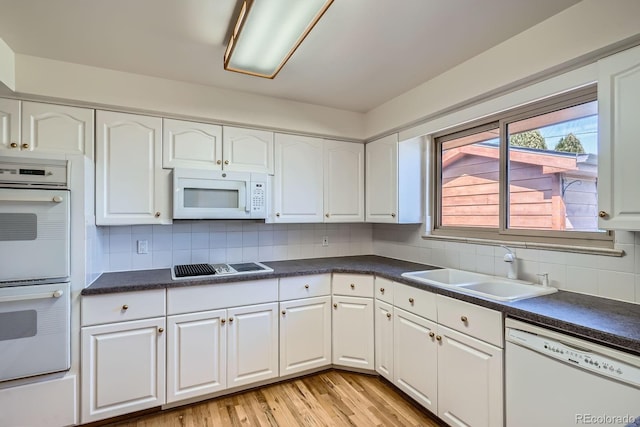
{"points": [[416, 301], [118, 307], [356, 285], [383, 289], [478, 322], [210, 297], [304, 286]]}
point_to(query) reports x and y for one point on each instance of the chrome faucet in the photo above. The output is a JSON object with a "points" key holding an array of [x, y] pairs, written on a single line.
{"points": [[510, 258]]}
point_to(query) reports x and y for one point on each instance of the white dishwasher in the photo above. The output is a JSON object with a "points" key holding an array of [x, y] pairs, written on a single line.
{"points": [[555, 380]]}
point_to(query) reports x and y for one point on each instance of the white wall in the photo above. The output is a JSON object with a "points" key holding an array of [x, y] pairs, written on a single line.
{"points": [[228, 241], [98, 86], [585, 28], [7, 66]]}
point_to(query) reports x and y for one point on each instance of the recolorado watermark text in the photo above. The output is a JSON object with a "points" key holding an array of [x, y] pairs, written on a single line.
{"points": [[604, 419]]}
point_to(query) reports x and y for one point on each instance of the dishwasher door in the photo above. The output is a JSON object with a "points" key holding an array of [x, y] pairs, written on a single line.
{"points": [[556, 383]]}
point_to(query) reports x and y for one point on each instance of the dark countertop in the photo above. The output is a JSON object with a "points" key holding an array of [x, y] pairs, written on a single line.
{"points": [[609, 322]]}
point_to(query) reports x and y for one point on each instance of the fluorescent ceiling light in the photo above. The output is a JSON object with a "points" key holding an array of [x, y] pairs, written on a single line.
{"points": [[267, 33]]}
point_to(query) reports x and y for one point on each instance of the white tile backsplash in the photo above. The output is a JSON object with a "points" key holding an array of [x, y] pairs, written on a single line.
{"points": [[226, 241], [606, 276]]}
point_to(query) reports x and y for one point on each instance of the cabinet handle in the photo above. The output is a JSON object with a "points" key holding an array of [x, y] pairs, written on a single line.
{"points": [[219, 162], [157, 215], [306, 286], [160, 330], [223, 321], [410, 300], [388, 315], [226, 162], [393, 215], [382, 290], [230, 319], [284, 312], [327, 215], [464, 319], [432, 334], [278, 214], [438, 337], [13, 145], [352, 286], [603, 214], [335, 305], [25, 146], [125, 307]]}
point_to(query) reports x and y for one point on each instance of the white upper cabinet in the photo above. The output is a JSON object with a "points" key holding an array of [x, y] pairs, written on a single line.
{"points": [[618, 147], [394, 180], [191, 145], [45, 128], [9, 124], [343, 181], [248, 150], [131, 186], [298, 180]]}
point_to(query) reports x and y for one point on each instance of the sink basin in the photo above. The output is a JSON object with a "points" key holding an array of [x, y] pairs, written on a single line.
{"points": [[484, 285], [506, 290], [446, 276]]}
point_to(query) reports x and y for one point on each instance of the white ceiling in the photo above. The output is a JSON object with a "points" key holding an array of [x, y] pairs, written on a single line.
{"points": [[361, 54]]}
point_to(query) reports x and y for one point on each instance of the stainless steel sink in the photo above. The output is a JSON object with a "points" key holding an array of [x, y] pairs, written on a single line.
{"points": [[484, 285]]}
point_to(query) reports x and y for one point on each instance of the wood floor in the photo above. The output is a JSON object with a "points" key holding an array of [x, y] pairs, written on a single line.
{"points": [[331, 398]]}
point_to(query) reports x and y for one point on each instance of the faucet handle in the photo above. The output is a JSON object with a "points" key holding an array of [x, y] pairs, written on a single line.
{"points": [[544, 279]]}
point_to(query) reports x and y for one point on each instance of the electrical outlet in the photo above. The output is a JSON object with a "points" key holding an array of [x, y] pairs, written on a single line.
{"points": [[143, 246], [325, 241]]}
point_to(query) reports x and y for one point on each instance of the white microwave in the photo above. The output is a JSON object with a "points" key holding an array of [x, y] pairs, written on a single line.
{"points": [[207, 194]]}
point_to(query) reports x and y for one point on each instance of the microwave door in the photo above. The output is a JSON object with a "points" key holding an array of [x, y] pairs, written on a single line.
{"points": [[199, 198]]}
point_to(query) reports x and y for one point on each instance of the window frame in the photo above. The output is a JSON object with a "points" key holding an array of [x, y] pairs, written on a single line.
{"points": [[502, 233]]}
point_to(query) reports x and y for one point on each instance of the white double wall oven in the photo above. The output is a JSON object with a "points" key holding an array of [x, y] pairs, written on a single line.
{"points": [[35, 295]]}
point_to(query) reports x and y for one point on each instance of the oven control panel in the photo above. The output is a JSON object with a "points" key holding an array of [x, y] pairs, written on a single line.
{"points": [[33, 173]]}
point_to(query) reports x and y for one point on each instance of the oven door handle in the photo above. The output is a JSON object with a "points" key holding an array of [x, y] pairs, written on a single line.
{"points": [[42, 295], [54, 199]]}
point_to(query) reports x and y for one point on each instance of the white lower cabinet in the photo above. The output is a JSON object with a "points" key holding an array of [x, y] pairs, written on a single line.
{"points": [[416, 358], [384, 342], [215, 350], [469, 380], [197, 354], [123, 367], [252, 344], [305, 334], [353, 332]]}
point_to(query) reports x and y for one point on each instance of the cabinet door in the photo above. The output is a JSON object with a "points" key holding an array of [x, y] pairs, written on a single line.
{"points": [[248, 150], [123, 367], [305, 334], [9, 124], [384, 339], [415, 358], [382, 180], [469, 381], [196, 354], [343, 182], [298, 179], [131, 186], [252, 344], [191, 145], [618, 148], [57, 129], [353, 332]]}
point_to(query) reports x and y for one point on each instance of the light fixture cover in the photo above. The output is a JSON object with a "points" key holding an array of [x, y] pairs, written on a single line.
{"points": [[267, 33]]}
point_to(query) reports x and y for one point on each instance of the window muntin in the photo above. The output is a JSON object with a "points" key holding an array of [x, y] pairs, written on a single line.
{"points": [[555, 118]]}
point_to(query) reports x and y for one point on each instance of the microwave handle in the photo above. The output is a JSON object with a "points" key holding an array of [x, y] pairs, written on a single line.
{"points": [[247, 204], [42, 295], [26, 198]]}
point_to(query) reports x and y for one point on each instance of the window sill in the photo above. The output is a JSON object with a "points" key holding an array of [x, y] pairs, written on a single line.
{"points": [[530, 245]]}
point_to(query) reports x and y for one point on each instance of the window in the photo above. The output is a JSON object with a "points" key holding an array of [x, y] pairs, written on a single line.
{"points": [[530, 174]]}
